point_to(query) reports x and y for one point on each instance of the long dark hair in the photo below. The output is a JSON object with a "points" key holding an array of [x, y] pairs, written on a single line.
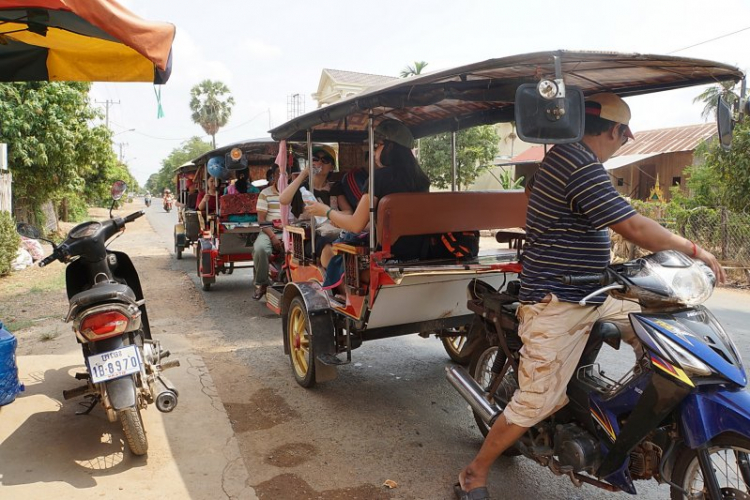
{"points": [[402, 159]]}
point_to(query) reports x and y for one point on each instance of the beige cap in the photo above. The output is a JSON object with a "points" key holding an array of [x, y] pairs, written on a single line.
{"points": [[611, 107]]}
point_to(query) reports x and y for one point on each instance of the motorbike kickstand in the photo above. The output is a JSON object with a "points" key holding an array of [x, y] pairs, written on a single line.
{"points": [[94, 399]]}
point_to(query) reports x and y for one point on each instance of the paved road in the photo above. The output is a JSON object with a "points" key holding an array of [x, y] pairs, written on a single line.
{"points": [[390, 414]]}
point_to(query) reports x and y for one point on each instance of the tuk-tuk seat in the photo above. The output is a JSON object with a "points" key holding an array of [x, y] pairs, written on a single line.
{"points": [[406, 214], [238, 204], [192, 224]]}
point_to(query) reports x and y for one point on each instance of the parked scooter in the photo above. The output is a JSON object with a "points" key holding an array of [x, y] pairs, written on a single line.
{"points": [[108, 311], [680, 416]]}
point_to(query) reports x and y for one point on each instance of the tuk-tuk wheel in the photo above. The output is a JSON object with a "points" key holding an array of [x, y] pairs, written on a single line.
{"points": [[301, 353], [206, 286], [453, 346]]}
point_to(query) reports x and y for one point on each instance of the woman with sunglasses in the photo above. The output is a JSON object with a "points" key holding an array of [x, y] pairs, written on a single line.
{"points": [[397, 172]]}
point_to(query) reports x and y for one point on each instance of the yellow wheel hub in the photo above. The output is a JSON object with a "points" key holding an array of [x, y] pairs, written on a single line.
{"points": [[299, 341]]}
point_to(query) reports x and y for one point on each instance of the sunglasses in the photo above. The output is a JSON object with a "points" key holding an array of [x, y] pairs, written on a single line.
{"points": [[323, 159]]}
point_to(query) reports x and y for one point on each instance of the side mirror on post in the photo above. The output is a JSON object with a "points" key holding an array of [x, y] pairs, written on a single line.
{"points": [[543, 117], [724, 122], [28, 231], [118, 189]]}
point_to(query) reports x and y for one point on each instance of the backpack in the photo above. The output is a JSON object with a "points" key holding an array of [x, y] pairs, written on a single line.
{"points": [[458, 245]]}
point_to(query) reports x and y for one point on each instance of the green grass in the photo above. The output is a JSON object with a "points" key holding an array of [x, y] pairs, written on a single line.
{"points": [[15, 326], [50, 283]]}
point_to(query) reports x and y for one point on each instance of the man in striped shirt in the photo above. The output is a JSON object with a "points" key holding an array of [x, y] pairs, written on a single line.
{"points": [[571, 206]]}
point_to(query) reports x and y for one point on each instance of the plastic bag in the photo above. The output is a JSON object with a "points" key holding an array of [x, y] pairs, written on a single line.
{"points": [[23, 260], [307, 196]]}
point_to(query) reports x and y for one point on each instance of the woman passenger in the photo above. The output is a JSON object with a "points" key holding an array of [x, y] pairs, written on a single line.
{"points": [[397, 171]]}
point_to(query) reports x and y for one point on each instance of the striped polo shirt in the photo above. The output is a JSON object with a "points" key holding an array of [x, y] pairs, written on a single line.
{"points": [[268, 201], [571, 205]]}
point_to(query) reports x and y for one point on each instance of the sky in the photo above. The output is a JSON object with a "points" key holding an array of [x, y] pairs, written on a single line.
{"points": [[266, 51]]}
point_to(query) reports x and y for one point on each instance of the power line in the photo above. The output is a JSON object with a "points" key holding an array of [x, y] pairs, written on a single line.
{"points": [[711, 40]]}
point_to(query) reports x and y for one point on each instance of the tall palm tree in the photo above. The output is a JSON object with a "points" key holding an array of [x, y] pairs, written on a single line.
{"points": [[711, 95], [211, 103], [413, 70]]}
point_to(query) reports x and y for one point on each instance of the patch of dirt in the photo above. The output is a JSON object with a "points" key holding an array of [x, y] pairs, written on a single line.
{"points": [[291, 454], [266, 409], [292, 486]]}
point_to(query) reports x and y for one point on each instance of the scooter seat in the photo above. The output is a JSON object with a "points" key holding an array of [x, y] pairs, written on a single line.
{"points": [[103, 292]]}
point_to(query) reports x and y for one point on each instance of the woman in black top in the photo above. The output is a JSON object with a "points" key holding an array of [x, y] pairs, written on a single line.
{"points": [[397, 172]]}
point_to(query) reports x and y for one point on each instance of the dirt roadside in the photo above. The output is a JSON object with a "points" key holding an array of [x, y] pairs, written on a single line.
{"points": [[49, 452]]}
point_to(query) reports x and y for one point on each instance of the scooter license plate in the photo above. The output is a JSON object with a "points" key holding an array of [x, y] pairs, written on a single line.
{"points": [[114, 364]]}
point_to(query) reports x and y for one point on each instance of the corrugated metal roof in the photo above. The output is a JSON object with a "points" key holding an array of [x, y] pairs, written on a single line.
{"points": [[647, 143], [352, 77], [668, 140]]}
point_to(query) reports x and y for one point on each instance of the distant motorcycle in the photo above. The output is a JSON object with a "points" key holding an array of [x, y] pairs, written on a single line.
{"points": [[147, 200], [168, 204], [108, 311]]}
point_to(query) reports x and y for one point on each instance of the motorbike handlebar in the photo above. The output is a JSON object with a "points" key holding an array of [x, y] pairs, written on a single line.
{"points": [[48, 259], [583, 279], [133, 216]]}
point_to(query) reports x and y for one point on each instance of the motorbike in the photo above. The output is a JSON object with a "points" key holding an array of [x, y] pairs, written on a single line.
{"points": [[680, 416], [168, 204], [124, 363], [147, 200]]}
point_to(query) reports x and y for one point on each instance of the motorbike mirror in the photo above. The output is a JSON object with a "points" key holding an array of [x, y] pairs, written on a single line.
{"points": [[118, 189], [724, 122], [544, 118], [28, 231]]}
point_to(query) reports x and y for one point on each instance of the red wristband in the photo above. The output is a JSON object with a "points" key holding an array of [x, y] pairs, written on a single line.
{"points": [[695, 249]]}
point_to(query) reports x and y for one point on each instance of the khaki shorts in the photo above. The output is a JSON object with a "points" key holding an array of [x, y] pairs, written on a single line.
{"points": [[554, 335]]}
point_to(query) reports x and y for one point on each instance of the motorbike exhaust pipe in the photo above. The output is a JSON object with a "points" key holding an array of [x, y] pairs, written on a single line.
{"points": [[468, 388], [166, 399]]}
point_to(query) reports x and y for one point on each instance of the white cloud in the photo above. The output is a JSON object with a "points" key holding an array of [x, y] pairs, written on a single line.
{"points": [[258, 49]]}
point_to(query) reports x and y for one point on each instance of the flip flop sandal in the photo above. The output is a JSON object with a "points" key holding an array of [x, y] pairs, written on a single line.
{"points": [[259, 292], [480, 493]]}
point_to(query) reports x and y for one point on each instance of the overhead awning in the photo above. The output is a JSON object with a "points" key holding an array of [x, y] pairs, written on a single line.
{"points": [[625, 160], [81, 40]]}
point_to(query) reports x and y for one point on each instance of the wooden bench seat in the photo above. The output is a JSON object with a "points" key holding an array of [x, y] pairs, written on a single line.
{"points": [[405, 214]]}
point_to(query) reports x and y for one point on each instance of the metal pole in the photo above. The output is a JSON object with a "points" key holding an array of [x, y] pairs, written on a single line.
{"points": [[311, 184], [454, 162], [371, 183]]}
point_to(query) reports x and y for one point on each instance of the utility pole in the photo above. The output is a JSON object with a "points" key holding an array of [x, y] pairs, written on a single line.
{"points": [[121, 144], [107, 104]]}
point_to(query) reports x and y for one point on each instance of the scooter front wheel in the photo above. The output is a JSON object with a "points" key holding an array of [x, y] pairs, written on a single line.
{"points": [[135, 433], [730, 459]]}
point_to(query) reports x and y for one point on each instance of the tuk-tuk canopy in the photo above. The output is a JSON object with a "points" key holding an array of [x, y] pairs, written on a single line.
{"points": [[483, 93], [81, 40]]}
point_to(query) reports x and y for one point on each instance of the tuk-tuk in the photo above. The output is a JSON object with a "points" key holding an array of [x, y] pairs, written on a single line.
{"points": [[227, 233], [187, 229], [543, 93]]}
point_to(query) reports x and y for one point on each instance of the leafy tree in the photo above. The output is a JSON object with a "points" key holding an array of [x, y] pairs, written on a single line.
{"points": [[187, 151], [710, 97], [416, 69], [475, 149], [726, 179], [211, 103], [9, 241], [53, 150]]}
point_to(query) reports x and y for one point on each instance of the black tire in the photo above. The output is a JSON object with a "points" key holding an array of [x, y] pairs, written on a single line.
{"points": [[480, 370], [299, 336], [454, 347], [206, 286], [726, 451], [178, 252], [135, 433]]}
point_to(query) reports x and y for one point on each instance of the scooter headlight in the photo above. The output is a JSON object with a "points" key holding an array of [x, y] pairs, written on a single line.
{"points": [[688, 362], [691, 285]]}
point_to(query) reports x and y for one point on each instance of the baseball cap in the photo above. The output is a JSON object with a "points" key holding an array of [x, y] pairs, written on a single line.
{"points": [[610, 107], [395, 131]]}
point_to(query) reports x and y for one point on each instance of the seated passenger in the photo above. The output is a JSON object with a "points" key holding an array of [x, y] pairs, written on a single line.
{"points": [[207, 203], [268, 241], [325, 191], [397, 171], [192, 197]]}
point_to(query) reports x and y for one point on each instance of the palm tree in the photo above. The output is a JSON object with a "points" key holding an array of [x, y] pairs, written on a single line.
{"points": [[211, 104], [711, 95], [413, 70]]}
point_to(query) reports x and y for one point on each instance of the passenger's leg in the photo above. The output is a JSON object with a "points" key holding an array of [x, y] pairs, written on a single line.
{"points": [[262, 248], [326, 255]]}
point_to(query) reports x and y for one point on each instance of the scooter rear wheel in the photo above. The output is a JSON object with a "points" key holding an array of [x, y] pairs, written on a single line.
{"points": [[135, 433]]}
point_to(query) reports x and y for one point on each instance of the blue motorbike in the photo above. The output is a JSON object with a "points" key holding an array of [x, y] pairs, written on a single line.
{"points": [[681, 416]]}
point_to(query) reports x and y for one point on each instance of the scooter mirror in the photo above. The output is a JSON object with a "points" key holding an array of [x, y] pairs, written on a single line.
{"points": [[28, 231], [724, 122], [118, 189]]}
